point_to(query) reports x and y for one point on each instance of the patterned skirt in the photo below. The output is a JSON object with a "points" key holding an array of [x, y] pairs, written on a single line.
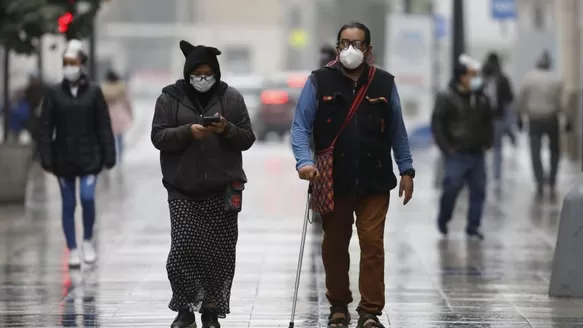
{"points": [[201, 263]]}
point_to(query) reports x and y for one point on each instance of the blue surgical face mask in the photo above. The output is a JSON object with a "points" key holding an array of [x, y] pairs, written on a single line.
{"points": [[476, 83]]}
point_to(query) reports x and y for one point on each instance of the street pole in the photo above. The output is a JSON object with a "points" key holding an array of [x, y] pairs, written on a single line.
{"points": [[6, 91], [40, 59], [93, 53], [408, 6], [458, 30]]}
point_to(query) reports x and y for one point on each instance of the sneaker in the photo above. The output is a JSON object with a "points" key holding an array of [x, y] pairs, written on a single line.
{"points": [[74, 258], [89, 255], [184, 319], [210, 318]]}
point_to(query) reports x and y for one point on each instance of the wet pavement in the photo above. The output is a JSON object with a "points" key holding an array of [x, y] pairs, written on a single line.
{"points": [[430, 281]]}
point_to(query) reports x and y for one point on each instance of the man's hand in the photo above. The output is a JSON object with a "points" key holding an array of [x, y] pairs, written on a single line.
{"points": [[219, 127], [406, 187], [199, 131], [308, 172]]}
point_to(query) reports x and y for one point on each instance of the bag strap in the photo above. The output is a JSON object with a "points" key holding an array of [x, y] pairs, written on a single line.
{"points": [[356, 103]]}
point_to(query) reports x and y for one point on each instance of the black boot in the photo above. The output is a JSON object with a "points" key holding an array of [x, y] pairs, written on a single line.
{"points": [[210, 318], [442, 227], [184, 319], [474, 234]]}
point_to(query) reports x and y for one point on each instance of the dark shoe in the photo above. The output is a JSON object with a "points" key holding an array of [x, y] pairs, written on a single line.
{"points": [[184, 319], [474, 234], [540, 190], [339, 317], [553, 194], [442, 228], [369, 321], [210, 318]]}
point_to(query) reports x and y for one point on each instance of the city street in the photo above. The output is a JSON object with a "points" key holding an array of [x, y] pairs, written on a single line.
{"points": [[430, 282]]}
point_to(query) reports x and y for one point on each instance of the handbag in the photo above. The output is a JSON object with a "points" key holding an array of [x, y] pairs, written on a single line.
{"points": [[234, 197], [322, 188]]}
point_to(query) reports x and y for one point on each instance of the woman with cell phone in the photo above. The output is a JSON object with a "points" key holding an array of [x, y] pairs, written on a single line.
{"points": [[201, 127]]}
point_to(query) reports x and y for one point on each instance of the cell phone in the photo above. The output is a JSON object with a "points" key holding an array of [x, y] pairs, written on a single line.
{"points": [[209, 120]]}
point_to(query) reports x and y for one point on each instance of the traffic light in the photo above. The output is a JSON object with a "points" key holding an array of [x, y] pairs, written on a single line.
{"points": [[64, 21]]}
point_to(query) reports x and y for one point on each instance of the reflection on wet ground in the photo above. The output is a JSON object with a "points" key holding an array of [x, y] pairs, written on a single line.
{"points": [[430, 281]]}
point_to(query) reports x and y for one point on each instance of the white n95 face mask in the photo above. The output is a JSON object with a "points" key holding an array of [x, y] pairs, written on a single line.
{"points": [[351, 58], [72, 73], [202, 83]]}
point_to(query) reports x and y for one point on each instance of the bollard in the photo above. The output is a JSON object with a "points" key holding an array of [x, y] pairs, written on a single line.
{"points": [[15, 163], [567, 271]]}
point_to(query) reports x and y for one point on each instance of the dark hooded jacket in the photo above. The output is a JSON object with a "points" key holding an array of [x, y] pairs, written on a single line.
{"points": [[498, 86], [196, 169], [75, 136]]}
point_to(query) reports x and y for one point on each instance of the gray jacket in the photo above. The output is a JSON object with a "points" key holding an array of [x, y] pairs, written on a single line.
{"points": [[541, 95], [195, 169]]}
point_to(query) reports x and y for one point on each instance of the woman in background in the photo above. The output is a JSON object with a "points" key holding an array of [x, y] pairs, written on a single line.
{"points": [[120, 110], [76, 143]]}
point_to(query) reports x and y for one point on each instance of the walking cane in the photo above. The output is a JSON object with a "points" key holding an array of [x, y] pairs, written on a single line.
{"points": [[301, 257]]}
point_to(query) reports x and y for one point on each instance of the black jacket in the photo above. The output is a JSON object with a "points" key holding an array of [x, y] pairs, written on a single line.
{"points": [[362, 154], [462, 121], [191, 168], [504, 94], [75, 136]]}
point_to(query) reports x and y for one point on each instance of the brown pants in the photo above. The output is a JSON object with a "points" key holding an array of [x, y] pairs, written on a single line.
{"points": [[371, 213]]}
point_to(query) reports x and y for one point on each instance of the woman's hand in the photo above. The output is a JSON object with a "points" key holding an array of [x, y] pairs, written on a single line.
{"points": [[199, 131], [219, 127]]}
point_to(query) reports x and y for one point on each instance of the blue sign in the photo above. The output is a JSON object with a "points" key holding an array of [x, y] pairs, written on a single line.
{"points": [[503, 9], [440, 27]]}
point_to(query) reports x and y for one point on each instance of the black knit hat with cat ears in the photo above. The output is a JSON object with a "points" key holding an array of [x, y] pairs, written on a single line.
{"points": [[199, 55]]}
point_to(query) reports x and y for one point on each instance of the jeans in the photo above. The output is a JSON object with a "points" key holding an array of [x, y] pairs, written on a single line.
{"points": [[503, 126], [500, 127], [461, 168], [119, 147], [87, 196]]}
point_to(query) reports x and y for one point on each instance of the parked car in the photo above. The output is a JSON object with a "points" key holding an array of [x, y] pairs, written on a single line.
{"points": [[277, 104]]}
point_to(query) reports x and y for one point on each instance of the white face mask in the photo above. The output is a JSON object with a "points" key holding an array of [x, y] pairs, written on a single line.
{"points": [[72, 73], [476, 83], [351, 58], [202, 83]]}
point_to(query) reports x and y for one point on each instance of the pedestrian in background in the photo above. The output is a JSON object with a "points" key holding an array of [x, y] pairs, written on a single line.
{"points": [[18, 118], [76, 143], [33, 94], [120, 109], [462, 125], [327, 55], [541, 102], [498, 88], [201, 127], [353, 164]]}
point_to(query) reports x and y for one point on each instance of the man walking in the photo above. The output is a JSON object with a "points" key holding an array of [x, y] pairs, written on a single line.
{"points": [[499, 90], [354, 112], [541, 100], [462, 126]]}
